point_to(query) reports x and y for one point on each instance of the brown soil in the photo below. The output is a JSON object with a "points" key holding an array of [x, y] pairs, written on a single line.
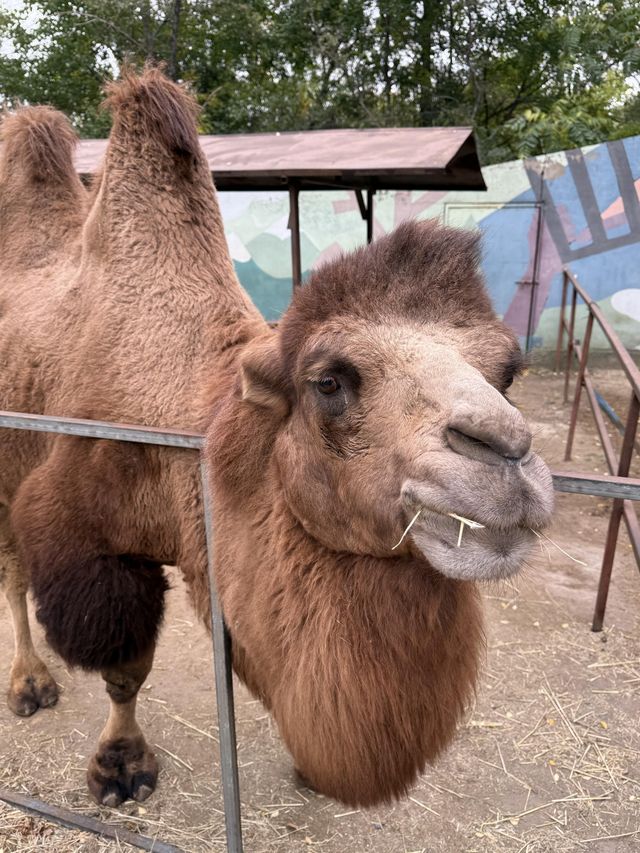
{"points": [[549, 759]]}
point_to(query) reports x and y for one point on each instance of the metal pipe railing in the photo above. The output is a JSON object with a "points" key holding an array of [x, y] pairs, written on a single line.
{"points": [[222, 661], [620, 467]]}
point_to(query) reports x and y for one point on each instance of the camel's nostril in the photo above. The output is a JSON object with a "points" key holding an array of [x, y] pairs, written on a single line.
{"points": [[483, 425], [484, 446]]}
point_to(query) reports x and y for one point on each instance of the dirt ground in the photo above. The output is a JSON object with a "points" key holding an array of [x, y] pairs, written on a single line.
{"points": [[549, 759]]}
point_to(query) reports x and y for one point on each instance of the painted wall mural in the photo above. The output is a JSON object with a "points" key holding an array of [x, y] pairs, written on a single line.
{"points": [[580, 208]]}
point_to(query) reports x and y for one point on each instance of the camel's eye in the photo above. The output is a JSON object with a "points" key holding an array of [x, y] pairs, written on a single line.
{"points": [[328, 385], [514, 367]]}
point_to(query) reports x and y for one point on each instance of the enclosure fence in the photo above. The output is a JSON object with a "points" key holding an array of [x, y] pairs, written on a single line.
{"points": [[219, 632], [578, 351], [616, 487]]}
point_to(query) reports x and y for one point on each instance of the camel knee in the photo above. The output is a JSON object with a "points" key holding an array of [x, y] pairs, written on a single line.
{"points": [[103, 612], [123, 682], [121, 687]]}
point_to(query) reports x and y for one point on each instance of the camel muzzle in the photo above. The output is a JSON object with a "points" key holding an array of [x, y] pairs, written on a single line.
{"points": [[486, 427]]}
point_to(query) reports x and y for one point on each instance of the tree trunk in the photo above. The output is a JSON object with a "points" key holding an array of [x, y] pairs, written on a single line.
{"points": [[146, 29], [175, 27], [425, 26]]}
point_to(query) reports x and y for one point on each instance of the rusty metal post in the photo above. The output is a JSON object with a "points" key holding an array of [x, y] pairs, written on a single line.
{"points": [[535, 281], [565, 281], [294, 227], [579, 384], [607, 564], [370, 194], [223, 673], [366, 210], [84, 823], [626, 455], [572, 323]]}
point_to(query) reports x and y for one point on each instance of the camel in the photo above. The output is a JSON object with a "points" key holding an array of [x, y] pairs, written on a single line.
{"points": [[339, 445]]}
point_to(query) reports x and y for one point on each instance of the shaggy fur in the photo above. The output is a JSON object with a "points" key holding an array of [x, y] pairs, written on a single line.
{"points": [[42, 202], [153, 107], [421, 269], [93, 291], [102, 613], [366, 664], [367, 656], [39, 143]]}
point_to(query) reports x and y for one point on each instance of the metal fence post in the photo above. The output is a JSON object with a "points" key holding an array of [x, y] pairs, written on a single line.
{"points": [[563, 304], [222, 661], [570, 345], [579, 382], [626, 455], [222, 655]]}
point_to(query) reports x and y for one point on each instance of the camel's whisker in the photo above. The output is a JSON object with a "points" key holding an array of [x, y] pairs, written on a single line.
{"points": [[555, 545]]}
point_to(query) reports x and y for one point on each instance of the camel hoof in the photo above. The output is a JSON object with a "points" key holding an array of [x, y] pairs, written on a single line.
{"points": [[143, 789], [22, 704], [120, 770], [28, 693], [112, 798]]}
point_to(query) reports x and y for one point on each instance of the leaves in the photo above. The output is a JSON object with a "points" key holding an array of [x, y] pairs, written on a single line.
{"points": [[529, 75]]}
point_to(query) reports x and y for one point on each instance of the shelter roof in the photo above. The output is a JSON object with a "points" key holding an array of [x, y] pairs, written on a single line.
{"points": [[409, 158]]}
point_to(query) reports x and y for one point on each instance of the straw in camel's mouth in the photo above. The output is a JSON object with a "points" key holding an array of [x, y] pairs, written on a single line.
{"points": [[464, 522], [469, 550]]}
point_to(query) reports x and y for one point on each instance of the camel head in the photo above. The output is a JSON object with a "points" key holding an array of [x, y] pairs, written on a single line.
{"points": [[386, 384]]}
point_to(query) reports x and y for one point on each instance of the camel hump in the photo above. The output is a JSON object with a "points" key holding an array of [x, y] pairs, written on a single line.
{"points": [[150, 106], [38, 144]]}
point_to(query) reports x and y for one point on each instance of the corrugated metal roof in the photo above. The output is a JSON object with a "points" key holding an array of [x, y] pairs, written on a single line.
{"points": [[379, 158]]}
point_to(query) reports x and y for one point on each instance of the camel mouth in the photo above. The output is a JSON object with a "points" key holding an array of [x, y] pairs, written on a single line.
{"points": [[461, 548], [478, 535]]}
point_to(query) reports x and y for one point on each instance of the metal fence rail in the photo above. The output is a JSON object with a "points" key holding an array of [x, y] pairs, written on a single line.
{"points": [[219, 632], [620, 466], [597, 485]]}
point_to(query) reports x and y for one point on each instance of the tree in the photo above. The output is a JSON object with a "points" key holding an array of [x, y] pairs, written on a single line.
{"points": [[529, 75]]}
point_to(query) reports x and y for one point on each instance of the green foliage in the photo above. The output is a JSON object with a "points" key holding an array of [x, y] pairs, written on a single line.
{"points": [[568, 122], [528, 75]]}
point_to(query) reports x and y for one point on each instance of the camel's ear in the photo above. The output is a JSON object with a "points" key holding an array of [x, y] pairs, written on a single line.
{"points": [[262, 376]]}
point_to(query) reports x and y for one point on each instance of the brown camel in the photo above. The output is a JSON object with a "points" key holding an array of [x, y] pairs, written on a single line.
{"points": [[379, 400]]}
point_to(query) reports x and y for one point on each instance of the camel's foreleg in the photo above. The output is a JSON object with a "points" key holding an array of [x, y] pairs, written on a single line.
{"points": [[31, 685], [123, 766], [101, 606]]}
